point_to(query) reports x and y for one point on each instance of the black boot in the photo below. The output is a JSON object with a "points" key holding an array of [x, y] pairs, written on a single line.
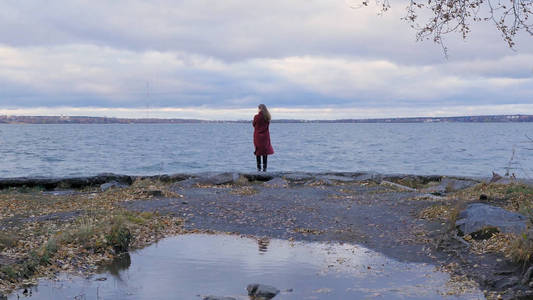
{"points": [[258, 159], [264, 163]]}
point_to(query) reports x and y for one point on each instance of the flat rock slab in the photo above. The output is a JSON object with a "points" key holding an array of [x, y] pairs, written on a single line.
{"points": [[218, 178], [276, 183], [337, 178], [166, 177], [60, 192], [396, 185], [449, 185], [187, 183], [479, 216], [209, 179], [376, 177], [298, 177], [113, 184]]}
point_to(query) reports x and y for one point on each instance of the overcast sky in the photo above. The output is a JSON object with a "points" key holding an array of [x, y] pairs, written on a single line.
{"points": [[313, 59]]}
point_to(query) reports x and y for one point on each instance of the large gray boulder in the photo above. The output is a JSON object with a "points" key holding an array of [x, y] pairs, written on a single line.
{"points": [[479, 218], [262, 291]]}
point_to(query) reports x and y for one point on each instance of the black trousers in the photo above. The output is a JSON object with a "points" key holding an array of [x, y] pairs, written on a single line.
{"points": [[258, 159]]}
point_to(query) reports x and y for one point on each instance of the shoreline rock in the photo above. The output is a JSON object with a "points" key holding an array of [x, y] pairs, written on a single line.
{"points": [[481, 220], [218, 178], [262, 291]]}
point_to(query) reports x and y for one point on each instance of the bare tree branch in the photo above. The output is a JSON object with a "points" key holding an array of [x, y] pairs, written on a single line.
{"points": [[446, 16]]}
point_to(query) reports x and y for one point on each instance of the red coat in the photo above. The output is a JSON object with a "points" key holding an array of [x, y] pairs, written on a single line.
{"points": [[262, 136]]}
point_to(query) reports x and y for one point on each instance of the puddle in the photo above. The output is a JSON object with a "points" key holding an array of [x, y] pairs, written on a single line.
{"points": [[192, 266]]}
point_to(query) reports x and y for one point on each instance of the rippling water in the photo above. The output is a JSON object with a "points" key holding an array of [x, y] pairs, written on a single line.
{"points": [[469, 149]]}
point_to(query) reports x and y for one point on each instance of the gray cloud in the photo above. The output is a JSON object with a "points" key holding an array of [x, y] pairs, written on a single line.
{"points": [[234, 54]]}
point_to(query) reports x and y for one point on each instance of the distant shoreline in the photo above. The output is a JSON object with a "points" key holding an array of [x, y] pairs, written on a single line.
{"points": [[105, 120]]}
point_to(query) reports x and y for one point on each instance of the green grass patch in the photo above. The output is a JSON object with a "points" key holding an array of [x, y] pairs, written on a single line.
{"points": [[516, 196], [517, 190], [119, 235], [138, 218]]}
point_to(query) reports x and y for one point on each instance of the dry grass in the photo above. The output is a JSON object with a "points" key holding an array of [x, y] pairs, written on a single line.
{"points": [[520, 249], [458, 206], [244, 191], [441, 212], [497, 243], [82, 241], [514, 196], [448, 212], [415, 182]]}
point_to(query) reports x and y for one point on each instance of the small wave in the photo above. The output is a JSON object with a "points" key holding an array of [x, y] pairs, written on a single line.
{"points": [[52, 159]]}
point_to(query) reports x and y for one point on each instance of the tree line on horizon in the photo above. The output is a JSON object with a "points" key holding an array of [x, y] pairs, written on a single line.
{"points": [[109, 120]]}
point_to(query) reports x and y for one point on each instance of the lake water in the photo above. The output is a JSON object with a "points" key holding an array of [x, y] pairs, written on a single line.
{"points": [[468, 149], [194, 266]]}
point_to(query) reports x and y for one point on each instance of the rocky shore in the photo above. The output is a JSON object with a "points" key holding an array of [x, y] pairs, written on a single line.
{"points": [[474, 228]]}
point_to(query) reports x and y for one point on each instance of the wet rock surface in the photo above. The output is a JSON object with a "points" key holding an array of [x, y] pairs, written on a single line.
{"points": [[378, 211], [344, 207], [298, 177]]}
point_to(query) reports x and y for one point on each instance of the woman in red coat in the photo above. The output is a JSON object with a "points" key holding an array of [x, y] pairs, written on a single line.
{"points": [[262, 136]]}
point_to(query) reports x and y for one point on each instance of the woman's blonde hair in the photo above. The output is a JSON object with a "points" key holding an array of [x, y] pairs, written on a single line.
{"points": [[266, 113]]}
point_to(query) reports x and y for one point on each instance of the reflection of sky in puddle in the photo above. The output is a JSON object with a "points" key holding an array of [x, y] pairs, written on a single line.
{"points": [[184, 267]]}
